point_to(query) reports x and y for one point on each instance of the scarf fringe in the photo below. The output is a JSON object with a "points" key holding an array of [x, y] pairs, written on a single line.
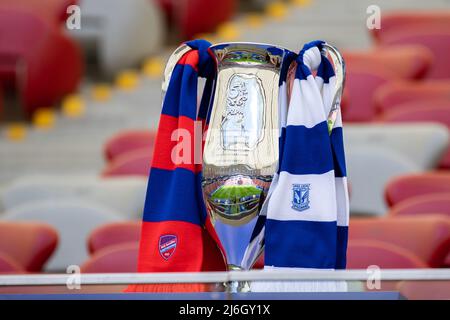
{"points": [[169, 288], [299, 286]]}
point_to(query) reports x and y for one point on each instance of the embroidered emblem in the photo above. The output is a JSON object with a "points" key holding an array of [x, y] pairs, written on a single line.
{"points": [[300, 196], [167, 245]]}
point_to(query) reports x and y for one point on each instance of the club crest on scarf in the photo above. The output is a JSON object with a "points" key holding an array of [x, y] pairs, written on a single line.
{"points": [[300, 197], [167, 245]]}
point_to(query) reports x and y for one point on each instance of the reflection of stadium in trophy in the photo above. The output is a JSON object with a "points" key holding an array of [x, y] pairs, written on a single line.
{"points": [[237, 198]]}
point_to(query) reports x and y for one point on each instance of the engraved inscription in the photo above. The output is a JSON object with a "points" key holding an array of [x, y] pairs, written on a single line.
{"points": [[242, 122]]}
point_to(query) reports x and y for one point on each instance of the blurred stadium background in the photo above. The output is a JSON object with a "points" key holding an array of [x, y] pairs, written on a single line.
{"points": [[79, 109]]}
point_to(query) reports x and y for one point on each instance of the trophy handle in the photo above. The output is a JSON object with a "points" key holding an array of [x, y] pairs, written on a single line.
{"points": [[339, 70], [170, 65]]}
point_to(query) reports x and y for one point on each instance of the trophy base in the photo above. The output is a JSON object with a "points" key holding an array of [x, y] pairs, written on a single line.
{"points": [[236, 286]]}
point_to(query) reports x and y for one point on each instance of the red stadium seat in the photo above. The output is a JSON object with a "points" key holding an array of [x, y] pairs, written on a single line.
{"points": [[9, 265], [447, 261], [118, 258], [364, 253], [29, 244], [437, 40], [167, 7], [361, 83], [425, 290], [113, 234], [427, 237], [395, 94], [127, 141], [50, 62], [427, 204], [1, 103], [135, 163], [54, 11], [407, 62], [201, 16], [421, 111], [404, 187], [403, 21], [430, 111]]}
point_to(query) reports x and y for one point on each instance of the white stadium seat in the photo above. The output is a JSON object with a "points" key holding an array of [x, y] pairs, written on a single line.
{"points": [[376, 152], [421, 143], [369, 169], [125, 195], [121, 33]]}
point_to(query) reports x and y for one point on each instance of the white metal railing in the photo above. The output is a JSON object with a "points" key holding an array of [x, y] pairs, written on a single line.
{"points": [[220, 277]]}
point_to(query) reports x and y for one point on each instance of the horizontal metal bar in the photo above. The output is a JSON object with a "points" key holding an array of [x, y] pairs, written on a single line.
{"points": [[113, 278], [356, 275], [220, 277]]}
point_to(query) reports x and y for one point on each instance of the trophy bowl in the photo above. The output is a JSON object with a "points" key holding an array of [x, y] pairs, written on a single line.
{"points": [[240, 154]]}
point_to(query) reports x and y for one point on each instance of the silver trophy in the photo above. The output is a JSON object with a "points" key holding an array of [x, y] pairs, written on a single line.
{"points": [[240, 154]]}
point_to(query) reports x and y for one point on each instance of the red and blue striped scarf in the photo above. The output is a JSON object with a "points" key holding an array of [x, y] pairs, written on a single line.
{"points": [[176, 233]]}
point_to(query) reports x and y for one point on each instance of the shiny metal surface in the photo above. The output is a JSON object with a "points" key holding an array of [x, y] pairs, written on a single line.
{"points": [[339, 69], [170, 65], [241, 149], [231, 276], [242, 124]]}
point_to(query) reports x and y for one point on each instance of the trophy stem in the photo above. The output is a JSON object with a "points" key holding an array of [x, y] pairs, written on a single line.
{"points": [[236, 286]]}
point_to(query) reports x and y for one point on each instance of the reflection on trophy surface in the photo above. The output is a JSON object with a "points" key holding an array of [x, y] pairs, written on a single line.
{"points": [[241, 148], [243, 121]]}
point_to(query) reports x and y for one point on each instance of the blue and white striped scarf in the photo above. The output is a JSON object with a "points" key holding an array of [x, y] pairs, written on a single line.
{"points": [[307, 207]]}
